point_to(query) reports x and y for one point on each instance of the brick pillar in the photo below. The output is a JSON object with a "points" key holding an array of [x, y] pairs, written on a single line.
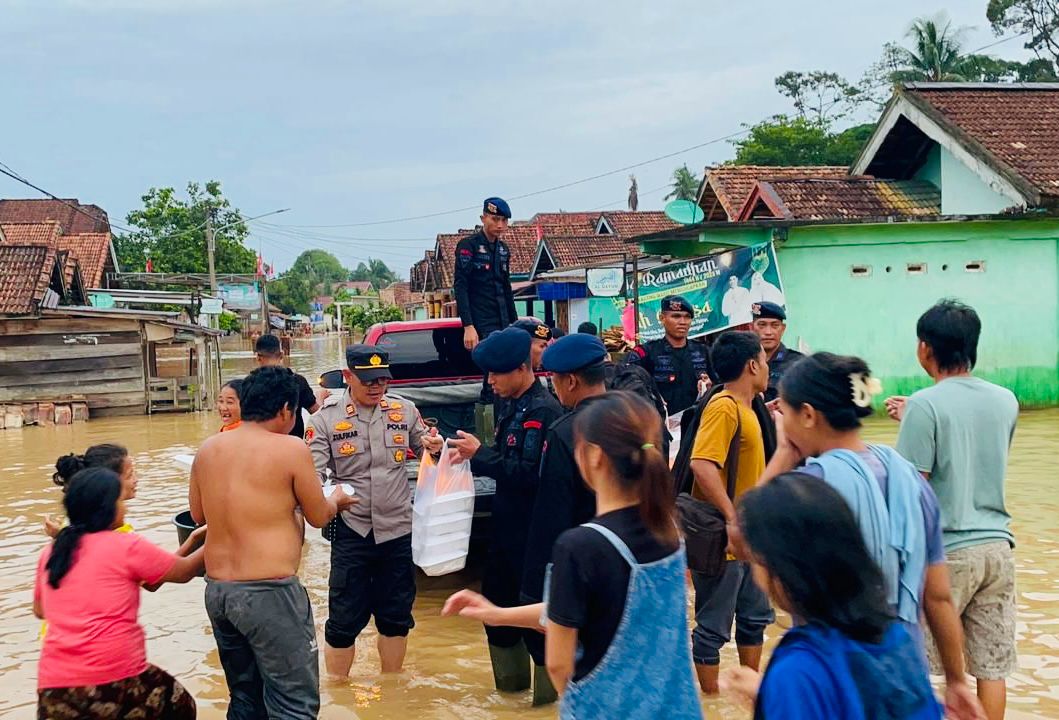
{"points": [[80, 411], [63, 415], [12, 417], [46, 413]]}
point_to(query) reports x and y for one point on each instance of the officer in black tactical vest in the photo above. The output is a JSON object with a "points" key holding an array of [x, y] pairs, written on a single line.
{"points": [[680, 367], [513, 461]]}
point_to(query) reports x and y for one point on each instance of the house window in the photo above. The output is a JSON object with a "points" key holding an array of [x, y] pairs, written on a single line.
{"points": [[975, 266], [917, 268], [860, 270]]}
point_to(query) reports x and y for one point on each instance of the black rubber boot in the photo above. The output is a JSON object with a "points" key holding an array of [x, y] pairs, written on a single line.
{"points": [[511, 667], [543, 690]]}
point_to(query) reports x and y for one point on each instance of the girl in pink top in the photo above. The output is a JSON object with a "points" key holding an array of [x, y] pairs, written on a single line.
{"points": [[93, 661]]}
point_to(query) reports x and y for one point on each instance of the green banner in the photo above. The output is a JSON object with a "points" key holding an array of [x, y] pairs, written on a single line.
{"points": [[722, 288]]}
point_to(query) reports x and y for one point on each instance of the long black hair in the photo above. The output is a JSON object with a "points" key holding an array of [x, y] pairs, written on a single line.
{"points": [[91, 503], [626, 428], [831, 384], [805, 534], [107, 455]]}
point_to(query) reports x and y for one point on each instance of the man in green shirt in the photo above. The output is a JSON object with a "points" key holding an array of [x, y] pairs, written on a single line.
{"points": [[957, 433]]}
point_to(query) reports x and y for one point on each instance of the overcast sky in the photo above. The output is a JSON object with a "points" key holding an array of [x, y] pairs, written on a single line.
{"points": [[357, 112]]}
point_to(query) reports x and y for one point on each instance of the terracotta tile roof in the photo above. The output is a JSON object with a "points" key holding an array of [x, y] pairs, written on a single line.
{"points": [[627, 224], [563, 219], [31, 233], [858, 197], [76, 219], [569, 252], [725, 188], [25, 274], [395, 294], [1017, 125], [361, 286], [92, 251]]}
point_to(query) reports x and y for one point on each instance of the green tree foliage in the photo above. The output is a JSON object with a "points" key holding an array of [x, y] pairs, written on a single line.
{"points": [[1038, 20], [362, 317], [685, 185], [228, 321], [172, 231], [784, 140], [318, 267], [290, 293], [936, 53], [818, 96], [376, 272]]}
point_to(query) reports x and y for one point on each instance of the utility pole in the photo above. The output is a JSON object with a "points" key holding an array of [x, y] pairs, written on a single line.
{"points": [[211, 248]]}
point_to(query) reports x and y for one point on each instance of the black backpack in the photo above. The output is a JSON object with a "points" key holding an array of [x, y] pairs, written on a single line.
{"points": [[628, 376], [689, 427]]}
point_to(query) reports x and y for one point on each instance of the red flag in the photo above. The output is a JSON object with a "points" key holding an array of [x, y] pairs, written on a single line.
{"points": [[540, 231], [260, 268], [149, 267]]}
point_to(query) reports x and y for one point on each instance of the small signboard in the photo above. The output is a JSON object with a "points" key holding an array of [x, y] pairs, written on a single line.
{"points": [[212, 306], [605, 282]]}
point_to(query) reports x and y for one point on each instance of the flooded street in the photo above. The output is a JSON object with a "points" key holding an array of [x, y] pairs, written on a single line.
{"points": [[448, 671]]}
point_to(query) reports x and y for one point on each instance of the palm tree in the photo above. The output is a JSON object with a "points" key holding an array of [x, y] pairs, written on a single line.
{"points": [[685, 185], [935, 55]]}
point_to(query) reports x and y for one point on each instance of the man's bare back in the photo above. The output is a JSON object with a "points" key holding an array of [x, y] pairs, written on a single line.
{"points": [[246, 485]]}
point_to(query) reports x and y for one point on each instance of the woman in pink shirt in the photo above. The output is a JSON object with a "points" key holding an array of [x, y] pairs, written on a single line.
{"points": [[93, 662]]}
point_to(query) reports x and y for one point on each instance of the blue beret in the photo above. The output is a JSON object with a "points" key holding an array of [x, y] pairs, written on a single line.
{"points": [[768, 310], [503, 351], [496, 206], [675, 303], [571, 353]]}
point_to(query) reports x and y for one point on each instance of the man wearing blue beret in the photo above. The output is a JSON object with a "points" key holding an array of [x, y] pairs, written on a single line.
{"points": [[770, 322], [482, 278], [578, 366], [527, 412]]}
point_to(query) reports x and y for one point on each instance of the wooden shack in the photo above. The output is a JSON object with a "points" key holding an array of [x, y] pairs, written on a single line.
{"points": [[118, 361]]}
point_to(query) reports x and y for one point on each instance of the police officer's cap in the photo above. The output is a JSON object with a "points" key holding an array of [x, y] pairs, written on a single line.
{"points": [[571, 353], [537, 329], [496, 206], [675, 303], [503, 351], [368, 362], [768, 311]]}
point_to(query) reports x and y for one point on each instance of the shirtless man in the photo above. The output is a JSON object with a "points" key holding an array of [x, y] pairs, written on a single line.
{"points": [[248, 485]]}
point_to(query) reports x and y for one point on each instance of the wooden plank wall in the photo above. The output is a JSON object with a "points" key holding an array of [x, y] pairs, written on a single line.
{"points": [[54, 359]]}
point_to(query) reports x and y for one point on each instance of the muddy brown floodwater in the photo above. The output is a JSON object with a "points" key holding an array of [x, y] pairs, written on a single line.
{"points": [[448, 673]]}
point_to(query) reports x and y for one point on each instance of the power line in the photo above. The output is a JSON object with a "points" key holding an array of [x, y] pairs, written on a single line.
{"points": [[999, 42], [535, 193]]}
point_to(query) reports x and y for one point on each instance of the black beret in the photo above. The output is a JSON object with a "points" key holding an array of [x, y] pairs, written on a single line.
{"points": [[536, 329], [571, 353], [368, 362], [768, 310], [675, 303], [503, 351]]}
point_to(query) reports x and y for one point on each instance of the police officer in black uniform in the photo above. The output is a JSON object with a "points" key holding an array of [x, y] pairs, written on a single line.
{"points": [[577, 364], [513, 461], [482, 280], [770, 322], [680, 367]]}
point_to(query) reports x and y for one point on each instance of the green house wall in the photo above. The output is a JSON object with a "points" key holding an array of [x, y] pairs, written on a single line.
{"points": [[872, 312], [962, 191]]}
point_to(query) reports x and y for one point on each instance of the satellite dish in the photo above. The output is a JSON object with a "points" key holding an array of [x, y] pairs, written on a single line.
{"points": [[684, 212]]}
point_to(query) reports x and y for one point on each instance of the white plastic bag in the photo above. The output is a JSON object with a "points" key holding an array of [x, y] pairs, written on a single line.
{"points": [[442, 514]]}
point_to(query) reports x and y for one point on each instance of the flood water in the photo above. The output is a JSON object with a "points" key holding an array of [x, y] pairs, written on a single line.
{"points": [[448, 672]]}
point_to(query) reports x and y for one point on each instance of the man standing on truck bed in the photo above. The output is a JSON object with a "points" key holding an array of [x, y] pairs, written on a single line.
{"points": [[482, 281], [513, 461]]}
